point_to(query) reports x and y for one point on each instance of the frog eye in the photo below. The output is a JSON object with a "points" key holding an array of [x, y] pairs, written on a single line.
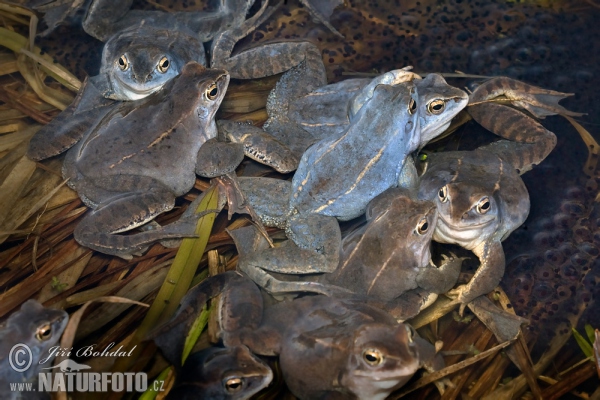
{"points": [[484, 205], [412, 106], [123, 63], [372, 357], [212, 92], [44, 332], [233, 385], [163, 65], [443, 194], [436, 107], [422, 226]]}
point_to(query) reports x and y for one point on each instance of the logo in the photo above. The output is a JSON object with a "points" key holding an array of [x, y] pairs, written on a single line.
{"points": [[20, 357], [70, 376], [70, 366]]}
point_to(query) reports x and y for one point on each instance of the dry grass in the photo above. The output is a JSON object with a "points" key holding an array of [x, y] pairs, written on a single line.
{"points": [[40, 259]]}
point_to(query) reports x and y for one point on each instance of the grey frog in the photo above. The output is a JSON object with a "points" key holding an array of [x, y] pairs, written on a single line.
{"points": [[33, 326], [138, 156], [231, 373], [344, 349], [480, 196], [386, 262], [338, 176]]}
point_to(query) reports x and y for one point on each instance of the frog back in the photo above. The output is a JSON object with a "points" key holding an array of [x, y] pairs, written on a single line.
{"points": [[157, 137], [340, 175], [384, 257], [324, 112]]}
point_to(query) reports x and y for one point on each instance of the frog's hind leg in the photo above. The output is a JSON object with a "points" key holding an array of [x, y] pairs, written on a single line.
{"points": [[313, 249], [99, 229], [269, 198], [530, 142], [264, 60], [538, 101], [304, 78], [249, 242]]}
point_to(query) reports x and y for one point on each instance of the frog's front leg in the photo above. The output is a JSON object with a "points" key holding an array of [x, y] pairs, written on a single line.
{"points": [[216, 158], [259, 145], [98, 229], [440, 280], [487, 276]]}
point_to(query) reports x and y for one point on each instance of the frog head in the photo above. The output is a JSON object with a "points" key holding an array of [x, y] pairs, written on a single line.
{"points": [[468, 214], [381, 358], [35, 326], [222, 373], [139, 61], [436, 103]]}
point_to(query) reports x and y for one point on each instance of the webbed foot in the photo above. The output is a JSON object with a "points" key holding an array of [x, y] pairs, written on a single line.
{"points": [[538, 101], [321, 10]]}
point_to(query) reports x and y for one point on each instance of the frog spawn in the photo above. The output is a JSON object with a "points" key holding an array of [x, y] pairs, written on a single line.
{"points": [[555, 284]]}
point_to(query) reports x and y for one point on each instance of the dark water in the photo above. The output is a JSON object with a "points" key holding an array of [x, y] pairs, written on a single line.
{"points": [[553, 267]]}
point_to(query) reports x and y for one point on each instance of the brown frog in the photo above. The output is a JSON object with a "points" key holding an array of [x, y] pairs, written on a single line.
{"points": [[386, 262], [327, 347], [479, 194], [26, 336], [140, 155], [231, 373]]}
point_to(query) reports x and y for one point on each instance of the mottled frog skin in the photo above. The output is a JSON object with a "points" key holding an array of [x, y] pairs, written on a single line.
{"points": [[131, 166], [338, 176], [327, 348], [231, 373], [140, 155], [39, 329], [386, 262]]}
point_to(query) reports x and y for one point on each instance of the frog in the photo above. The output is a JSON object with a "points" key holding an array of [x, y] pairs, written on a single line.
{"points": [[139, 59], [141, 155], [386, 262], [304, 109], [37, 327], [338, 176], [327, 347], [479, 194], [221, 373]]}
